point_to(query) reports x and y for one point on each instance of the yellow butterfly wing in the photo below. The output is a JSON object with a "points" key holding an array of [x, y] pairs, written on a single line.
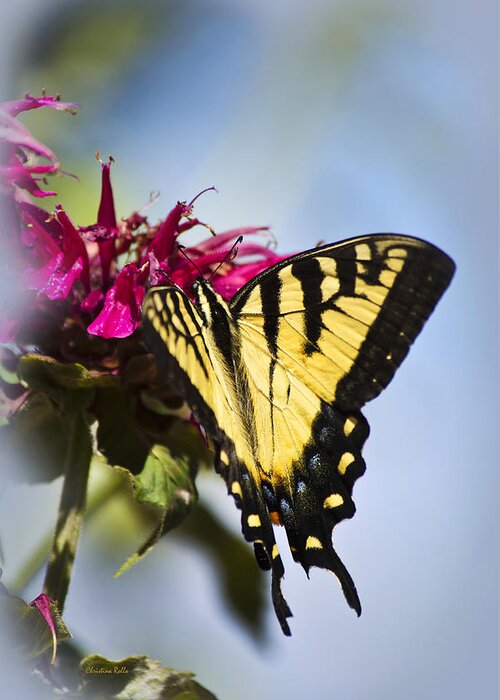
{"points": [[193, 362], [321, 334]]}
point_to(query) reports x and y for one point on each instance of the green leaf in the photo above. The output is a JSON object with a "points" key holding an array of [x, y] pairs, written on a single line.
{"points": [[51, 377], [35, 441], [120, 437], [165, 479], [128, 428], [167, 482], [138, 678], [30, 634]]}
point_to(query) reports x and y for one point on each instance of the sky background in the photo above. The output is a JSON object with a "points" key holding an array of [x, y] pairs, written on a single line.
{"points": [[325, 120]]}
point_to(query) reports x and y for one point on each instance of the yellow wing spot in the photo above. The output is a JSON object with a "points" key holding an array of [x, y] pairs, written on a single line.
{"points": [[387, 278], [275, 552], [388, 357], [363, 252], [349, 425], [163, 333], [395, 264], [236, 489], [313, 543], [174, 317], [330, 284], [397, 253], [363, 310], [158, 302], [334, 500], [253, 520], [224, 458], [346, 459]]}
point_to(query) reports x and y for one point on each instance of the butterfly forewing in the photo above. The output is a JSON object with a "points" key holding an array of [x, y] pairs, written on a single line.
{"points": [[345, 315]]}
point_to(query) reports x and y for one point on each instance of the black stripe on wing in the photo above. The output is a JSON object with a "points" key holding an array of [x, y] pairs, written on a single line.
{"points": [[308, 272], [426, 272], [168, 365], [270, 301]]}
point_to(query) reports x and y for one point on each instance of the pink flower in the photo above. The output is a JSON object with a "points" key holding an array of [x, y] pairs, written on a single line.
{"points": [[21, 148], [58, 260], [57, 253], [121, 313]]}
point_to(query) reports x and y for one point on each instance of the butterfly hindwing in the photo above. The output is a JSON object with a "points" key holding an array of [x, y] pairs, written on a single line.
{"points": [[278, 377]]}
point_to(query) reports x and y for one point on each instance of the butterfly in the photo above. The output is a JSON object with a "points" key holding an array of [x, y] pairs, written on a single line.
{"points": [[278, 375]]}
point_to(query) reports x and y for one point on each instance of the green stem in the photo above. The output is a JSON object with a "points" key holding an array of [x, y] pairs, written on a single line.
{"points": [[71, 510], [97, 498]]}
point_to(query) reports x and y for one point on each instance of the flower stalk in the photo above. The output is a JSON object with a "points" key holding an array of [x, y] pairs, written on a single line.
{"points": [[71, 510]]}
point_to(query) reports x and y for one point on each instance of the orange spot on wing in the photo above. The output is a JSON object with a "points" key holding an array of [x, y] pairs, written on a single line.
{"points": [[275, 518]]}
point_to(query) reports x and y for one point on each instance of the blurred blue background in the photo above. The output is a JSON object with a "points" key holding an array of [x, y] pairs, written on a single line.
{"points": [[325, 120]]}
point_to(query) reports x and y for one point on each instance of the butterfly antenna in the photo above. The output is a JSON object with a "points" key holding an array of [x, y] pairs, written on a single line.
{"points": [[207, 189], [229, 256], [167, 277], [180, 248]]}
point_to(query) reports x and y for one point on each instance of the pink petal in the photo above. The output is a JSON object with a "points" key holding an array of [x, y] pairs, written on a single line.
{"points": [[106, 217], [57, 254], [228, 284], [221, 239], [121, 313], [61, 281], [43, 603], [29, 102], [92, 300], [43, 252], [16, 134], [162, 244], [73, 247], [106, 214]]}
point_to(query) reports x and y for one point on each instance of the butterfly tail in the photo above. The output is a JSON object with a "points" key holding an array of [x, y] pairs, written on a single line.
{"points": [[255, 523], [280, 605]]}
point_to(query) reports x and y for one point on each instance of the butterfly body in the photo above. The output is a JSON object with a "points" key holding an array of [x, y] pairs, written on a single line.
{"points": [[277, 377]]}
